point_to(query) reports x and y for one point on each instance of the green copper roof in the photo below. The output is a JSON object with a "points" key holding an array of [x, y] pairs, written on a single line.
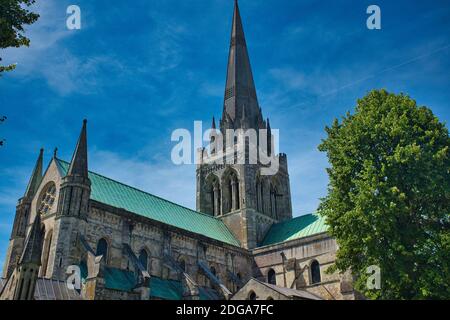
{"points": [[296, 228], [125, 280], [119, 195], [117, 279], [165, 289], [171, 290]]}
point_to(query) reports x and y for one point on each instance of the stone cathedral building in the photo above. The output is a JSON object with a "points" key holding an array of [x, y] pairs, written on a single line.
{"points": [[114, 241]]}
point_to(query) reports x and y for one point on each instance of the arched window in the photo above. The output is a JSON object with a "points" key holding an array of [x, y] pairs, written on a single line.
{"points": [[46, 253], [102, 249], [143, 258], [47, 199], [182, 264], [252, 295], [269, 298], [213, 270], [315, 272], [214, 198], [229, 262], [273, 201], [231, 196], [271, 278]]}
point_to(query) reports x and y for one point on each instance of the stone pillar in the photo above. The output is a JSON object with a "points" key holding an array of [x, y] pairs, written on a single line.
{"points": [[234, 196], [216, 201], [258, 197]]}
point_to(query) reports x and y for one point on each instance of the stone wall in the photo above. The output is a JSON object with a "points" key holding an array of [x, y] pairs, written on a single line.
{"points": [[292, 262]]}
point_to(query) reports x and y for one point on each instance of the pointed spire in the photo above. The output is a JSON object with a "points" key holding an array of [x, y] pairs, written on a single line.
{"points": [[33, 244], [36, 176], [240, 87], [79, 163], [213, 125], [269, 138]]}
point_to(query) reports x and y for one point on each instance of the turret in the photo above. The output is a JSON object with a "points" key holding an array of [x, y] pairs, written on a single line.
{"points": [[22, 216], [22, 282], [73, 209]]}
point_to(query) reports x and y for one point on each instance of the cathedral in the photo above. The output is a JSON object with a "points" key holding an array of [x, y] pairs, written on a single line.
{"points": [[78, 235]]}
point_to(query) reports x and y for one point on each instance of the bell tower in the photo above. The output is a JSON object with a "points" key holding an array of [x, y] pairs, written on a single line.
{"points": [[73, 210], [233, 185]]}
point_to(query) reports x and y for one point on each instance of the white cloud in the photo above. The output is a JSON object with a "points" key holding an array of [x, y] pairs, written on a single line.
{"points": [[289, 77]]}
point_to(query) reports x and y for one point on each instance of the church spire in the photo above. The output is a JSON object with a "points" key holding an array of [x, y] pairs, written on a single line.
{"points": [[36, 176], [79, 163], [240, 87], [33, 245]]}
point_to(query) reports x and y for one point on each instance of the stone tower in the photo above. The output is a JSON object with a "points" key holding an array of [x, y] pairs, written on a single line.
{"points": [[23, 208], [72, 212], [22, 282], [238, 191]]}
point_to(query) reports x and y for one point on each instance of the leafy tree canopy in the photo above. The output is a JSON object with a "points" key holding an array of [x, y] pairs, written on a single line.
{"points": [[388, 202], [14, 14]]}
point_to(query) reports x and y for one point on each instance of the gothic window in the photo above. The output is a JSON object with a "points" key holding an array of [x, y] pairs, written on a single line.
{"points": [[238, 275], [46, 253], [315, 272], [143, 258], [47, 198], [213, 270], [102, 249], [259, 195], [273, 201], [182, 264], [252, 295], [201, 279], [231, 192], [271, 278], [201, 252], [229, 262], [214, 195]]}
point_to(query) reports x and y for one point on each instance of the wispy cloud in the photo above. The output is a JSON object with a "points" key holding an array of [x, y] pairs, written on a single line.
{"points": [[161, 178]]}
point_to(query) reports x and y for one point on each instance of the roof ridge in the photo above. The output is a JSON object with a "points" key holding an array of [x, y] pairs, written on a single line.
{"points": [[146, 192], [295, 218]]}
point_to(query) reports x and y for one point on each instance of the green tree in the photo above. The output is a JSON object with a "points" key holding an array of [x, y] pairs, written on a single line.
{"points": [[388, 202], [14, 15]]}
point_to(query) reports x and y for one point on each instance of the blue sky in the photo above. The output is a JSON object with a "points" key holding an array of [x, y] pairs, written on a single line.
{"points": [[140, 71]]}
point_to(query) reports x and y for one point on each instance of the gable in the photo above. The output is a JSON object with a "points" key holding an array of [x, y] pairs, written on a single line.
{"points": [[119, 195], [265, 291]]}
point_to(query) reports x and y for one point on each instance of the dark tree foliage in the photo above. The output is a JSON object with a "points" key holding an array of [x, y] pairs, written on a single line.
{"points": [[388, 202]]}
